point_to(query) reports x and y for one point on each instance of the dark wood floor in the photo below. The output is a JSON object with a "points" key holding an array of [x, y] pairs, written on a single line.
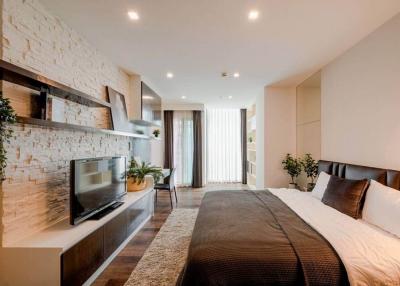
{"points": [[119, 270]]}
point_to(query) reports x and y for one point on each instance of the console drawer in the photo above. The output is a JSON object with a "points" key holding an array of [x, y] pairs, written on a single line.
{"points": [[139, 211], [82, 260], [114, 234]]}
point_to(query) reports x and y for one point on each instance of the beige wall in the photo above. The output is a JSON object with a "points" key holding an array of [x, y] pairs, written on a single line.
{"points": [[36, 191], [361, 101], [280, 133]]}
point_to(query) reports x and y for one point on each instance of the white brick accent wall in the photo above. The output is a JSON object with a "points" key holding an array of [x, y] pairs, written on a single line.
{"points": [[36, 192]]}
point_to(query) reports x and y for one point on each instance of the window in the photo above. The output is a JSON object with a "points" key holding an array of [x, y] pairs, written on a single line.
{"points": [[223, 147], [183, 147]]}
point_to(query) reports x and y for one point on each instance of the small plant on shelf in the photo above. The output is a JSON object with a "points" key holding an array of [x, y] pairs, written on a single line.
{"points": [[156, 133], [310, 167], [137, 172], [250, 139], [293, 168], [7, 117]]}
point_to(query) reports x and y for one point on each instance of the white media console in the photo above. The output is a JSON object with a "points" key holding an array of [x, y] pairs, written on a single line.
{"points": [[74, 255]]}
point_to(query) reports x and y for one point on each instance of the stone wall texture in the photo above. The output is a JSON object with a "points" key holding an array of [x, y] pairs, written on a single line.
{"points": [[36, 191]]}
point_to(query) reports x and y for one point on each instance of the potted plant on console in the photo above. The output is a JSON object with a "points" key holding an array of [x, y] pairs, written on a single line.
{"points": [[293, 168], [310, 166], [7, 116], [136, 174]]}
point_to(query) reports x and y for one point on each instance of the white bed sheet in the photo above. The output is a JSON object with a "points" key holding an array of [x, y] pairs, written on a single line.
{"points": [[370, 255]]}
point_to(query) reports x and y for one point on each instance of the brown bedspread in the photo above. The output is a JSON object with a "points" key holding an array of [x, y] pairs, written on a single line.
{"points": [[253, 238]]}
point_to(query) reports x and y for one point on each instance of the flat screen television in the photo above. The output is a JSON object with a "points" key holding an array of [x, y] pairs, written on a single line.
{"points": [[96, 184]]}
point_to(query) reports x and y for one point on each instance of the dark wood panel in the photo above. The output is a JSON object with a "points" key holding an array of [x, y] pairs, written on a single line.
{"points": [[82, 260], [115, 232]]}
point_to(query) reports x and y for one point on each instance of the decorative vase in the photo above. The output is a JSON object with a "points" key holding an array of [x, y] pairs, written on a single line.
{"points": [[135, 187], [292, 186]]}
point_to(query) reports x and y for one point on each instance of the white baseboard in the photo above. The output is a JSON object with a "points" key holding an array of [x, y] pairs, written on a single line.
{"points": [[115, 253]]}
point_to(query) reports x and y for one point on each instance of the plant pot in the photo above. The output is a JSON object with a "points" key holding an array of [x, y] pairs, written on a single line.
{"points": [[310, 187], [135, 187], [292, 186]]}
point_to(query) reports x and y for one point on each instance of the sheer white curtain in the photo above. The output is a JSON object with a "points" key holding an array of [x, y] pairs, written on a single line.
{"points": [[223, 148], [183, 147]]}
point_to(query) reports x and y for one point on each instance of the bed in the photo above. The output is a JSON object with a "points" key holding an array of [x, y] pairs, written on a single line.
{"points": [[287, 237]]}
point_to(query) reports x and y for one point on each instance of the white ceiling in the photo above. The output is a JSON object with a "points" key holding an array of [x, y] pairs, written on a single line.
{"points": [[199, 39]]}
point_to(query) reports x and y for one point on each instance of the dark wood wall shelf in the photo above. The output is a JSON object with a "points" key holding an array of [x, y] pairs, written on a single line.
{"points": [[17, 75], [20, 76], [68, 126]]}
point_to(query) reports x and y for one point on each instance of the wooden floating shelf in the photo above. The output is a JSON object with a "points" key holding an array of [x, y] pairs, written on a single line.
{"points": [[145, 123], [20, 76], [68, 126]]}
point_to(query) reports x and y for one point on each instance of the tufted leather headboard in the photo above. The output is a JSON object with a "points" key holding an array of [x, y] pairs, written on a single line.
{"points": [[389, 178]]}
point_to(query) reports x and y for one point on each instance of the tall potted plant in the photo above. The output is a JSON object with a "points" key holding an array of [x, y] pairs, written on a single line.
{"points": [[293, 168], [7, 117], [310, 167], [136, 175]]}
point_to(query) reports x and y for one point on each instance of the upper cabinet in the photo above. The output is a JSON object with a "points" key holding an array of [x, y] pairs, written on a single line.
{"points": [[150, 107]]}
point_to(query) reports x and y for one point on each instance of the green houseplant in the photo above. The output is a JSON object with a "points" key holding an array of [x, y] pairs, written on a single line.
{"points": [[7, 117], [293, 168], [137, 172], [156, 133], [310, 167]]}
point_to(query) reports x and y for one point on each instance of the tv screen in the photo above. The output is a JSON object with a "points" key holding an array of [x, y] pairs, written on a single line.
{"points": [[95, 185]]}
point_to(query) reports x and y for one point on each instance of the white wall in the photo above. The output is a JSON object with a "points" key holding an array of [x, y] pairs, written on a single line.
{"points": [[35, 194], [260, 141], [361, 101], [280, 133], [182, 106]]}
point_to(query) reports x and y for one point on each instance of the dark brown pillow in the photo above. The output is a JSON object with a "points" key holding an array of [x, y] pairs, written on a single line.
{"points": [[345, 195]]}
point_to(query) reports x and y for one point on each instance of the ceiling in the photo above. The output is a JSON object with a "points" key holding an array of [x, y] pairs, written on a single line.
{"points": [[196, 40]]}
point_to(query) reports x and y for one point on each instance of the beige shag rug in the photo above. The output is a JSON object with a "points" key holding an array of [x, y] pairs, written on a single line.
{"points": [[163, 261]]}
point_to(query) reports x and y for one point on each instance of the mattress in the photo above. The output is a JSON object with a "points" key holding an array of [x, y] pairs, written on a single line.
{"points": [[370, 255]]}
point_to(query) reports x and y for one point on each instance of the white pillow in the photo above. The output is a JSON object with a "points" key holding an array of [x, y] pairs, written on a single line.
{"points": [[382, 207], [320, 185]]}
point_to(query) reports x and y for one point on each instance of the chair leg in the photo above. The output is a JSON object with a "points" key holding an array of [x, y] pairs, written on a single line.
{"points": [[176, 198], [155, 201], [170, 197]]}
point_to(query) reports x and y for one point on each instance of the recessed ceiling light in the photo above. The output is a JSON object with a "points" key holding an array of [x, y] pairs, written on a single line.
{"points": [[170, 75], [133, 15], [236, 74], [230, 97], [253, 15], [183, 97]]}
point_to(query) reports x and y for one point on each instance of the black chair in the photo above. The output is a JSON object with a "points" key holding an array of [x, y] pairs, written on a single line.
{"points": [[168, 185]]}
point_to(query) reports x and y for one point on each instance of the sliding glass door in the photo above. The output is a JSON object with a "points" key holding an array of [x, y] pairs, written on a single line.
{"points": [[223, 147], [183, 147]]}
